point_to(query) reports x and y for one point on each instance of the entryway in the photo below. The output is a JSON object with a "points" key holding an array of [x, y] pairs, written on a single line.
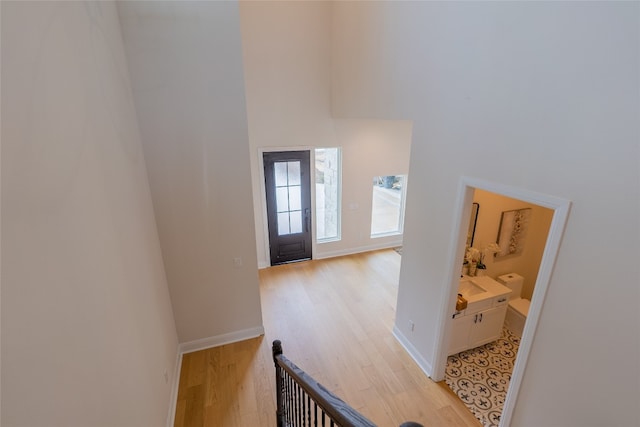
{"points": [[288, 196]]}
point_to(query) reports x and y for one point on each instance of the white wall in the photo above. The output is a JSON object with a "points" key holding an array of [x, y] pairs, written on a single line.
{"points": [[369, 148], [542, 96], [185, 60], [363, 61], [87, 327], [286, 70], [287, 57]]}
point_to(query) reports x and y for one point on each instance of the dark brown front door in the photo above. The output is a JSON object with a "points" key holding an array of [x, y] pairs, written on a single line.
{"points": [[288, 189]]}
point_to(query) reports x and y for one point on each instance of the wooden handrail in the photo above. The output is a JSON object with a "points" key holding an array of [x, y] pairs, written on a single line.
{"points": [[335, 408]]}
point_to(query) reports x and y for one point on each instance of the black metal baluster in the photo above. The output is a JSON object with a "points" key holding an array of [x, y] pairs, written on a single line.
{"points": [[303, 404], [299, 407], [292, 402], [315, 414], [277, 350], [288, 400]]}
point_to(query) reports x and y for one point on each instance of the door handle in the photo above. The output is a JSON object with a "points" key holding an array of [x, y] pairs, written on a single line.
{"points": [[306, 220]]}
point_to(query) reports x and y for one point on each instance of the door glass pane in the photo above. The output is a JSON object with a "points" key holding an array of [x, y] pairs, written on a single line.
{"points": [[283, 223], [282, 199], [294, 198], [280, 169], [296, 221], [288, 196], [294, 173]]}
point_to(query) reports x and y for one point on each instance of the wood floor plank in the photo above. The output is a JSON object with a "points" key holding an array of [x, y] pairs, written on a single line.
{"points": [[376, 407], [335, 320]]}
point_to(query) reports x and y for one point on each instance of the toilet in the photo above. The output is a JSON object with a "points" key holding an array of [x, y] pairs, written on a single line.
{"points": [[518, 308]]}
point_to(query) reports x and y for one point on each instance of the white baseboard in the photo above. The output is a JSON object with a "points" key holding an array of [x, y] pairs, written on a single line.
{"points": [[218, 340], [357, 250], [171, 417], [344, 252], [413, 352]]}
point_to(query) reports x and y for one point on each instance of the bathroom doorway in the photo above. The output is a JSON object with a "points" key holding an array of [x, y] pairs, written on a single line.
{"points": [[558, 209], [479, 369]]}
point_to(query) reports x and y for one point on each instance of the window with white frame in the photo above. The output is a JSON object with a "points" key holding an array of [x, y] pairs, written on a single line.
{"points": [[387, 211]]}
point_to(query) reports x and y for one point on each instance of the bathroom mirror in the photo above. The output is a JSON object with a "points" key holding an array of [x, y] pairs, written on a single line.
{"points": [[475, 208]]}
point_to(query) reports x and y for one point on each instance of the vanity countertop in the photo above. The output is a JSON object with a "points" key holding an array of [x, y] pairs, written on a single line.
{"points": [[491, 288]]}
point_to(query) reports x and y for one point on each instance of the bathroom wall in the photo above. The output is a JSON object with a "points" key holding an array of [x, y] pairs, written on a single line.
{"points": [[528, 262], [88, 334]]}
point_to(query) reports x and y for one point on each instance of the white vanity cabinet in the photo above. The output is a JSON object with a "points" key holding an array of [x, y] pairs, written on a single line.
{"points": [[460, 334], [481, 322], [487, 326]]}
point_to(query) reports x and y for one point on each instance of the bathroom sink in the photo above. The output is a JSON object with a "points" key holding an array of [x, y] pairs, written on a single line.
{"points": [[468, 288], [481, 293]]}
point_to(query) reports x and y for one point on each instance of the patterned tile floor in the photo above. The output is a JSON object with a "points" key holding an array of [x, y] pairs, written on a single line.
{"points": [[480, 376]]}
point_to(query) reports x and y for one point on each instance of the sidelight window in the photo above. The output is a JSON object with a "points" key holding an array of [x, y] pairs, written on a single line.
{"points": [[327, 172]]}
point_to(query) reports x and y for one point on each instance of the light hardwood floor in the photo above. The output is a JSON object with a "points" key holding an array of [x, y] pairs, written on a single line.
{"points": [[335, 319]]}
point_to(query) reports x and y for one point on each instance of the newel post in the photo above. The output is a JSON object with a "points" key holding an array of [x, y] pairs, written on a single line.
{"points": [[276, 350]]}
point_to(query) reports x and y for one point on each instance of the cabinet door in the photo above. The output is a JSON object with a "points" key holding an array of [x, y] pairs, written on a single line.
{"points": [[487, 327], [460, 332]]}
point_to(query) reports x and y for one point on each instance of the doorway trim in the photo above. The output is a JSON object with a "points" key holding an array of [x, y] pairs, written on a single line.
{"points": [[462, 214], [263, 196]]}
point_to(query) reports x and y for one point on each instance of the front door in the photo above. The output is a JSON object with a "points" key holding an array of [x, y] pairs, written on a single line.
{"points": [[288, 189]]}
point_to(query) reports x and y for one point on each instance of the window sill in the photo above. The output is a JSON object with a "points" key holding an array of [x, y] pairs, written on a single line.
{"points": [[388, 234], [328, 240]]}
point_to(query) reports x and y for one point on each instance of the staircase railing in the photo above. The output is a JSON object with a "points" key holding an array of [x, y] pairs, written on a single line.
{"points": [[302, 401]]}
